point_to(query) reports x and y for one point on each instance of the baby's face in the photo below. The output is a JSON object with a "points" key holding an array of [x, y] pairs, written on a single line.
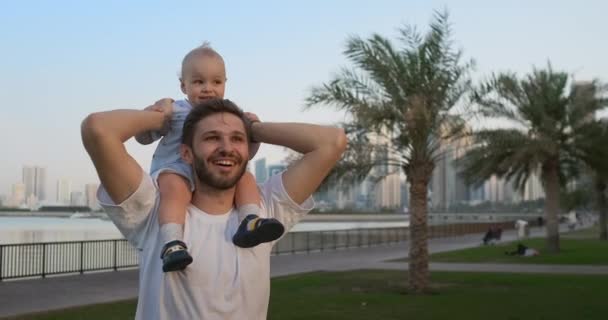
{"points": [[204, 78]]}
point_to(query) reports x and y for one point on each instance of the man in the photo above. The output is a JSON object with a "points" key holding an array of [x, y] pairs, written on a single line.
{"points": [[225, 281]]}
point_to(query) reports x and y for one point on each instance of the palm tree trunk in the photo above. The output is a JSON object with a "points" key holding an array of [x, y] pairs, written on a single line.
{"points": [[551, 181], [418, 255], [601, 206]]}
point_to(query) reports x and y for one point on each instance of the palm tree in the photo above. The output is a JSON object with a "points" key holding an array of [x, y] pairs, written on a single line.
{"points": [[599, 173], [602, 204], [551, 132], [403, 94]]}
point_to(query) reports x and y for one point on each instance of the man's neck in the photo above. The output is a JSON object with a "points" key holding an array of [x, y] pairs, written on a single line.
{"points": [[213, 201]]}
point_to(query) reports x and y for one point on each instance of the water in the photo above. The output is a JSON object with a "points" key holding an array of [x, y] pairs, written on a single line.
{"points": [[46, 229], [43, 229]]}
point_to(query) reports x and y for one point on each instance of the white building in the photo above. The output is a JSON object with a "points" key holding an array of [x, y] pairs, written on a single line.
{"points": [[90, 191], [18, 195], [64, 188], [388, 192], [533, 189], [34, 179], [77, 198]]}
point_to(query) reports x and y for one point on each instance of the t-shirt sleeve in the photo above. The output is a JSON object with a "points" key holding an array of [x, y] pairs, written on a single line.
{"points": [[135, 216], [277, 203]]}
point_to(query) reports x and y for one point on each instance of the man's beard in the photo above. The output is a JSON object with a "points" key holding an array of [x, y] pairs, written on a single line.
{"points": [[205, 175]]}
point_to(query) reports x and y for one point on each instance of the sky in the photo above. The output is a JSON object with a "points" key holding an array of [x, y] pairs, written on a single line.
{"points": [[62, 60]]}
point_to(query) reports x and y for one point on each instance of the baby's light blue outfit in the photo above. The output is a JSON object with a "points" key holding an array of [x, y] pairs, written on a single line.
{"points": [[167, 156]]}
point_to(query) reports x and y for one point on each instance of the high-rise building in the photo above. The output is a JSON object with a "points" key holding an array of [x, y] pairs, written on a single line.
{"points": [[510, 192], [90, 190], [261, 174], [476, 194], [77, 198], [18, 195], [534, 188], [29, 180], [405, 193], [275, 169], [34, 179], [495, 189], [388, 192], [32, 202], [64, 188], [447, 186]]}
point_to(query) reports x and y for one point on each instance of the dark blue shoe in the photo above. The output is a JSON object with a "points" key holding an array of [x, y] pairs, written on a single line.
{"points": [[175, 256], [254, 230]]}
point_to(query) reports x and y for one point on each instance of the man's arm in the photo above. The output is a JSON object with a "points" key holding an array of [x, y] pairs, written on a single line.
{"points": [[103, 135], [322, 147]]}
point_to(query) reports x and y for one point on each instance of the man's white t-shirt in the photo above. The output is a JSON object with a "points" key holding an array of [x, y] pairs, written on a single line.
{"points": [[224, 281]]}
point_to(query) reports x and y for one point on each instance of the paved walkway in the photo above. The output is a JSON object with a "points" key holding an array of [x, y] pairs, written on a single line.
{"points": [[27, 296]]}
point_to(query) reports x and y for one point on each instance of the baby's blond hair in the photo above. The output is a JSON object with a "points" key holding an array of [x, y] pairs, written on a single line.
{"points": [[205, 50]]}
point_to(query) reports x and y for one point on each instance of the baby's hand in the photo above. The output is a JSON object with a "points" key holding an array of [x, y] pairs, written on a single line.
{"points": [[166, 107]]}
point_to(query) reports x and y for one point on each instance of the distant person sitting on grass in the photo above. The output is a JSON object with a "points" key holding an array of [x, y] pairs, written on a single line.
{"points": [[492, 235], [224, 281], [523, 251]]}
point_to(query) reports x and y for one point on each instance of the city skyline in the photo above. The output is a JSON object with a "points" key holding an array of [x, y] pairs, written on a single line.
{"points": [[71, 59], [33, 191]]}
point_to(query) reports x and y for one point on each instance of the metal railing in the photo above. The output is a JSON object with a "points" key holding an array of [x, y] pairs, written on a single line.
{"points": [[315, 241], [52, 258]]}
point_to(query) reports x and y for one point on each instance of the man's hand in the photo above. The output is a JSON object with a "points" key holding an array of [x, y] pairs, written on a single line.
{"points": [[253, 118], [322, 147], [254, 146]]}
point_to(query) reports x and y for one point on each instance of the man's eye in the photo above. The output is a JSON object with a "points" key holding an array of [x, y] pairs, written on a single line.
{"points": [[211, 138]]}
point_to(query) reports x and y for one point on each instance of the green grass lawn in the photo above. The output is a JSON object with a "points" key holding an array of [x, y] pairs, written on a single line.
{"points": [[383, 295], [587, 233], [109, 311], [573, 251]]}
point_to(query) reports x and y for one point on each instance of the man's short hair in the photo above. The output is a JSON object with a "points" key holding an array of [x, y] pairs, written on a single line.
{"points": [[208, 108]]}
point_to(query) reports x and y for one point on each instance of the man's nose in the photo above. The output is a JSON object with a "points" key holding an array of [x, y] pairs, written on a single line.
{"points": [[226, 144]]}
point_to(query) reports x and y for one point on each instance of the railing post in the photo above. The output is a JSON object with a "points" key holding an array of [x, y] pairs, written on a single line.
{"points": [[307, 241], [347, 239], [335, 240], [321, 233], [1, 254], [81, 256], [293, 242], [43, 258], [115, 255]]}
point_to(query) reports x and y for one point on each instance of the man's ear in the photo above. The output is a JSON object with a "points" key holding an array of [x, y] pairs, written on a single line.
{"points": [[186, 153]]}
